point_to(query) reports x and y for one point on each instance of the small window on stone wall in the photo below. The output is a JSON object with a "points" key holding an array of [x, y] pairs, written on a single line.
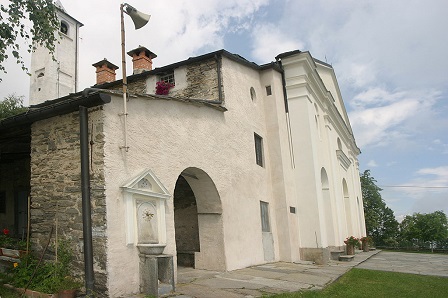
{"points": [[268, 90], [2, 202], [168, 78]]}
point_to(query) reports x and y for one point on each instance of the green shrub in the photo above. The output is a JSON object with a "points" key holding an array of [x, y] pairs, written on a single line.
{"points": [[49, 276]]}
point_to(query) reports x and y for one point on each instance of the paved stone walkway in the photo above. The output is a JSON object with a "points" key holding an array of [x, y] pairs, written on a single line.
{"points": [[256, 281], [282, 277], [425, 264]]}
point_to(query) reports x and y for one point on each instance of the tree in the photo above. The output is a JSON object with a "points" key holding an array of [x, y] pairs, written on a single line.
{"points": [[42, 14], [381, 224], [431, 227], [11, 105]]}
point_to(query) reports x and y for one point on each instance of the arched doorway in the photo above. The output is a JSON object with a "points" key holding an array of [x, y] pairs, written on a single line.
{"points": [[186, 223], [198, 221]]}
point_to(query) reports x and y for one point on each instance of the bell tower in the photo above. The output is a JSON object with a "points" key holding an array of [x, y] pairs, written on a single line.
{"points": [[53, 79]]}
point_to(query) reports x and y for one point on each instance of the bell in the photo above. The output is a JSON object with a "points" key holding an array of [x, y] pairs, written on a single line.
{"points": [[139, 18]]}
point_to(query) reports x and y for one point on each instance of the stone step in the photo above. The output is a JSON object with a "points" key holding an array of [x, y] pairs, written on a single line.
{"points": [[346, 258], [334, 255]]}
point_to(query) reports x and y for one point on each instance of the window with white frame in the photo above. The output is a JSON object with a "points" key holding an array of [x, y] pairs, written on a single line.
{"points": [[168, 78]]}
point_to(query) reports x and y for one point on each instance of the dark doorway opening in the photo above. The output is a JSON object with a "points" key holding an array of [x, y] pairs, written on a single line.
{"points": [[186, 223]]}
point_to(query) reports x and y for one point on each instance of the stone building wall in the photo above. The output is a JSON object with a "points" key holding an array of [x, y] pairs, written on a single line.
{"points": [[56, 189], [135, 87], [202, 81]]}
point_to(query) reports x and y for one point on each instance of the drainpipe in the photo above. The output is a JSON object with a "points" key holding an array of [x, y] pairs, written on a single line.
{"points": [[86, 208], [288, 120], [285, 98]]}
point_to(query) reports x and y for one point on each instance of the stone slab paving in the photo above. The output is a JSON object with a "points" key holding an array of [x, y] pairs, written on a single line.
{"points": [[425, 264], [272, 278]]}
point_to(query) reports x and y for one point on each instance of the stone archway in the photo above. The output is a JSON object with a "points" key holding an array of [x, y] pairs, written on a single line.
{"points": [[198, 221]]}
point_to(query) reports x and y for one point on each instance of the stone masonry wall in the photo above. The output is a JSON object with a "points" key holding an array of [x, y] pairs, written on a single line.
{"points": [[56, 189], [135, 87], [202, 81]]}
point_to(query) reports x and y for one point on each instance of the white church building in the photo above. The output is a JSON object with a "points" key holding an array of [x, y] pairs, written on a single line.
{"points": [[239, 164]]}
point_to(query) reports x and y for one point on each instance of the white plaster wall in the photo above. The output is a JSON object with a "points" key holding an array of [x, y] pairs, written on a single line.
{"points": [[315, 147], [168, 137], [281, 164]]}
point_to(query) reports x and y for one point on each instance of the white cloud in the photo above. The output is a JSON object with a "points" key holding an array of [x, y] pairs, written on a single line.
{"points": [[380, 117], [372, 163], [376, 96], [440, 173], [270, 40], [376, 126]]}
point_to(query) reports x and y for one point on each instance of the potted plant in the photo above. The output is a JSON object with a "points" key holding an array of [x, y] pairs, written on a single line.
{"points": [[351, 242], [163, 88], [67, 287], [366, 242], [11, 247]]}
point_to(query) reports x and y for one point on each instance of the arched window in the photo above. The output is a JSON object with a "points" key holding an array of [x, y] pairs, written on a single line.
{"points": [[64, 28], [339, 144], [253, 95]]}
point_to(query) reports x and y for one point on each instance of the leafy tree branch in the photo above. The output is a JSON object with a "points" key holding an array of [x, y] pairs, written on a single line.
{"points": [[41, 13]]}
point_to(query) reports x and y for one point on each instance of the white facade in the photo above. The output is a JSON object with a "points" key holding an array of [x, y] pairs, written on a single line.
{"points": [[53, 79], [270, 173], [309, 177], [325, 155]]}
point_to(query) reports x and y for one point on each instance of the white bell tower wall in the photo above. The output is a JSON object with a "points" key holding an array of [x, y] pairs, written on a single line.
{"points": [[53, 79]]}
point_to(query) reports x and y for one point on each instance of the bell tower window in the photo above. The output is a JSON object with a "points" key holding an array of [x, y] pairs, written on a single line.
{"points": [[64, 28]]}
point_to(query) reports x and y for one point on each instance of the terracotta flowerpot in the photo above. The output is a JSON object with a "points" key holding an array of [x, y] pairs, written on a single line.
{"points": [[350, 249], [67, 294], [365, 246]]}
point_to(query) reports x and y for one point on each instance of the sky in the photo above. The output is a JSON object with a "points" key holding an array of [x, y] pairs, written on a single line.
{"points": [[390, 58]]}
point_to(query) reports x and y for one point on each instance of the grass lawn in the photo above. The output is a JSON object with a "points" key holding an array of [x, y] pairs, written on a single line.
{"points": [[370, 283]]}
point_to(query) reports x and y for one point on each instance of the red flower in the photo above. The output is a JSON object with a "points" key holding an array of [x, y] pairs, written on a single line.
{"points": [[5, 231], [163, 88]]}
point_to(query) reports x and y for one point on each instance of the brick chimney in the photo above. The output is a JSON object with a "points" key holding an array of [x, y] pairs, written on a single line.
{"points": [[141, 59], [105, 71]]}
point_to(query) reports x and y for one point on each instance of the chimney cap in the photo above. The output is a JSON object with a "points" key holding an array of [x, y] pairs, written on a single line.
{"points": [[137, 51], [107, 63]]}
